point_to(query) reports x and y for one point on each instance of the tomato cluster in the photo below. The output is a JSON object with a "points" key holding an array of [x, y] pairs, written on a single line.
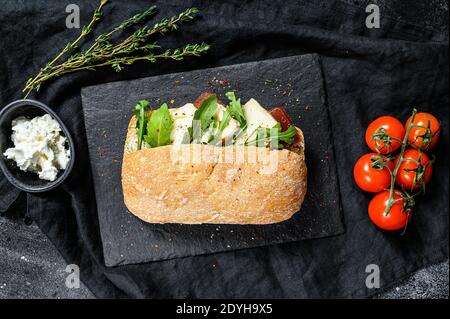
{"points": [[398, 160]]}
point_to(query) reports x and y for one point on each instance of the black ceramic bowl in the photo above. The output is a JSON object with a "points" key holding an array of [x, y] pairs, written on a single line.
{"points": [[29, 181]]}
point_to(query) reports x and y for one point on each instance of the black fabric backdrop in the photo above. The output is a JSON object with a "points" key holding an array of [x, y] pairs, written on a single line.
{"points": [[367, 72]]}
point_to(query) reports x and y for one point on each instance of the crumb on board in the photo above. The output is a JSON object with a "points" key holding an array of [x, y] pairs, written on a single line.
{"points": [[218, 82]]}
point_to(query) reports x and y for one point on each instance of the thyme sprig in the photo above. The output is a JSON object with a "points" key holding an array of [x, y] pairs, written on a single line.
{"points": [[104, 52]]}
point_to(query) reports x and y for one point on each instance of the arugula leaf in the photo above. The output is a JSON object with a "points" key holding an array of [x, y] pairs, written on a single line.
{"points": [[159, 127], [288, 135], [266, 136], [235, 109], [225, 121], [204, 115], [139, 112], [212, 133], [219, 127], [206, 112]]}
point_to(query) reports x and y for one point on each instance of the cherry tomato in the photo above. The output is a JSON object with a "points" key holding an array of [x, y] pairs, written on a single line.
{"points": [[371, 179], [421, 137], [396, 218], [387, 144], [410, 170]]}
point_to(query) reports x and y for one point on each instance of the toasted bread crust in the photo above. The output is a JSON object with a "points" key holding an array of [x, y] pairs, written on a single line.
{"points": [[159, 187]]}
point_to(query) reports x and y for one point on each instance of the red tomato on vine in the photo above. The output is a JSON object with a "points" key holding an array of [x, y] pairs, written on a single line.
{"points": [[385, 134], [371, 172], [394, 217], [414, 171], [425, 132]]}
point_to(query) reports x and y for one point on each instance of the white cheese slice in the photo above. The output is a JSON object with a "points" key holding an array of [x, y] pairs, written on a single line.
{"points": [[182, 121], [256, 116]]}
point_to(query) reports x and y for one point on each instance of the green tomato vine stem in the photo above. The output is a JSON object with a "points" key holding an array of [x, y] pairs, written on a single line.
{"points": [[394, 172]]}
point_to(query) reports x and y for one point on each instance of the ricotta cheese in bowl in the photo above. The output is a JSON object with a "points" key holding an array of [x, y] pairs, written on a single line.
{"points": [[39, 146]]}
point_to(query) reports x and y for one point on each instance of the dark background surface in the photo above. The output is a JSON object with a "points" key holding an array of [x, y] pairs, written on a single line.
{"points": [[31, 268]]}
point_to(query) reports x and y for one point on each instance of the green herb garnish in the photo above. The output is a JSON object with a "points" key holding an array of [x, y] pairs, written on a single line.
{"points": [[226, 117], [203, 117], [159, 127], [235, 109], [139, 112], [219, 127], [267, 136], [288, 135], [105, 52]]}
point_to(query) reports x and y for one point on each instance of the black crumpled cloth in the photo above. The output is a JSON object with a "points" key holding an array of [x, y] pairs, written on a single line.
{"points": [[367, 72]]}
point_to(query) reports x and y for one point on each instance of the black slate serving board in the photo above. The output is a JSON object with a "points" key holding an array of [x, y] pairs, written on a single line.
{"points": [[293, 82]]}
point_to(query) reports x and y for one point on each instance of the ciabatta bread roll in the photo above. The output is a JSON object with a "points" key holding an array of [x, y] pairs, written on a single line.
{"points": [[159, 187]]}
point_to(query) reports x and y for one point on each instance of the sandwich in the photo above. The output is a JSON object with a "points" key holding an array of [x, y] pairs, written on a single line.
{"points": [[213, 162]]}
